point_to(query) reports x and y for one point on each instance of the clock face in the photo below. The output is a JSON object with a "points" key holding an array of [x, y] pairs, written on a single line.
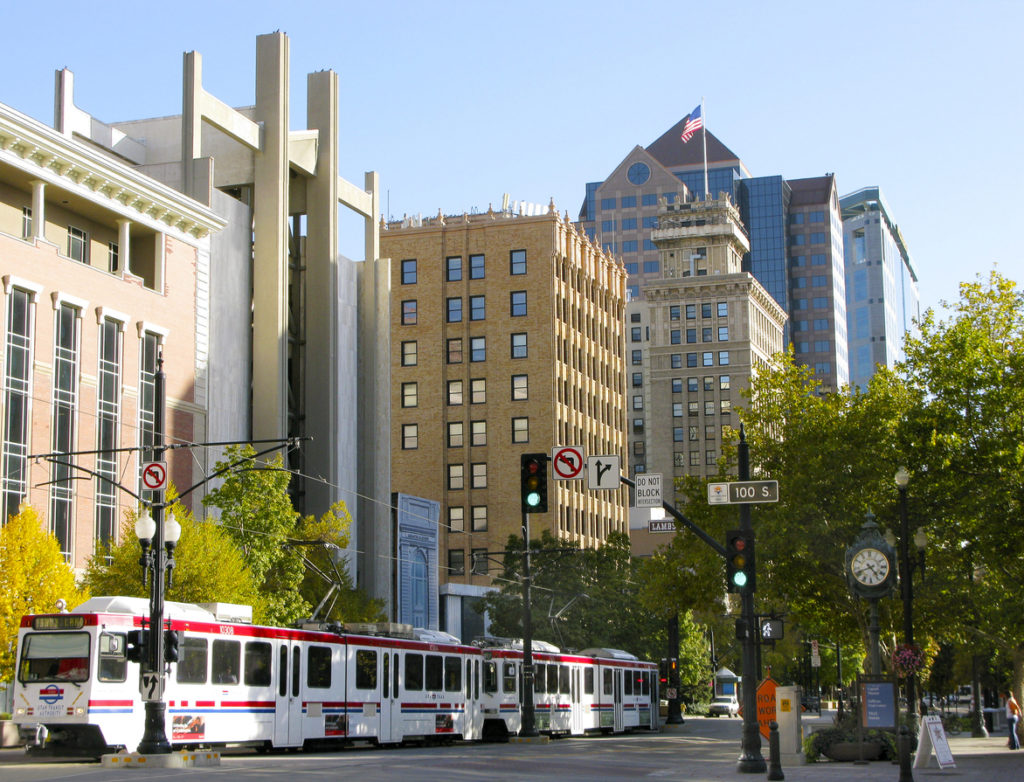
{"points": [[870, 566]]}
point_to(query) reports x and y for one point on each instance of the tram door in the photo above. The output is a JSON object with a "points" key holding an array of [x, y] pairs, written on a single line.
{"points": [[620, 720], [390, 710], [288, 714], [576, 724]]}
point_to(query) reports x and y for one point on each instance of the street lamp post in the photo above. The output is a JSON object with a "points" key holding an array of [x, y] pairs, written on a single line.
{"points": [[902, 478]]}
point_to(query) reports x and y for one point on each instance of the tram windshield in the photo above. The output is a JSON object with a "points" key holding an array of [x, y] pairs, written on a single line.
{"points": [[54, 657]]}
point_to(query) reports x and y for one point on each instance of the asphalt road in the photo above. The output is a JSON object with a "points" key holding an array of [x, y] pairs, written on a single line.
{"points": [[700, 750]]}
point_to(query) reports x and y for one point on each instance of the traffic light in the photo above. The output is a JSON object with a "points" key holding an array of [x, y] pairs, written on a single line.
{"points": [[172, 640], [135, 646], [534, 482], [739, 561], [663, 674]]}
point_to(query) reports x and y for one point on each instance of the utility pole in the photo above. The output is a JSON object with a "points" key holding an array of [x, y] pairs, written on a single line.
{"points": [[529, 727]]}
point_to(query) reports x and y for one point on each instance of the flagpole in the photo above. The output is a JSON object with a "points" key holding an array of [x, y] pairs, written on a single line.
{"points": [[704, 134]]}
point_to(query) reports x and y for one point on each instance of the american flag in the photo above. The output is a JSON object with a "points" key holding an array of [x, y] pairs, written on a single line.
{"points": [[693, 123]]}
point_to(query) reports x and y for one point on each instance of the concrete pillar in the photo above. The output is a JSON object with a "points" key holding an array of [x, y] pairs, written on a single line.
{"points": [[270, 235], [124, 237], [38, 209], [191, 120]]}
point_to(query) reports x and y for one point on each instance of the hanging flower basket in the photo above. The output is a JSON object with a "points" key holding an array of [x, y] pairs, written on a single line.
{"points": [[907, 660]]}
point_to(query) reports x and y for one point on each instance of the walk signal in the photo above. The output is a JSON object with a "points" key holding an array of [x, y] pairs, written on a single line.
{"points": [[534, 482], [739, 561]]}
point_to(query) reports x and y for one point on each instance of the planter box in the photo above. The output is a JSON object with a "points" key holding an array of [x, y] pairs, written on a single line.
{"points": [[9, 736], [851, 750]]}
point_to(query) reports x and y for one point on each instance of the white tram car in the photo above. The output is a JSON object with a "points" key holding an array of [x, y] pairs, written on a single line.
{"points": [[238, 683]]}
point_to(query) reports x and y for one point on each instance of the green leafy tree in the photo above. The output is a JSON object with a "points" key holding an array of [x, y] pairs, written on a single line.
{"points": [[257, 513], [208, 565], [328, 578], [966, 455], [33, 576]]}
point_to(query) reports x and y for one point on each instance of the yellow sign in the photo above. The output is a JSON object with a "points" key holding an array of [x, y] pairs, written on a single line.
{"points": [[784, 704]]}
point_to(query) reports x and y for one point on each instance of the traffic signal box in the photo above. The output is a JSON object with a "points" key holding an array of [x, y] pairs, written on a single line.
{"points": [[534, 482], [135, 646], [740, 575]]}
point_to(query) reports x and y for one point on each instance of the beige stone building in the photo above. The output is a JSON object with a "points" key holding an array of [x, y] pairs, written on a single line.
{"points": [[694, 341], [506, 338]]}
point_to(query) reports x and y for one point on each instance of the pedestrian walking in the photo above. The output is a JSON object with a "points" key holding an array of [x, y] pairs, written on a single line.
{"points": [[1012, 718]]}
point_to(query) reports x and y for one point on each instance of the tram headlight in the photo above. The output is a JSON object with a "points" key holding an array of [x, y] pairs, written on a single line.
{"points": [[20, 711], [79, 711]]}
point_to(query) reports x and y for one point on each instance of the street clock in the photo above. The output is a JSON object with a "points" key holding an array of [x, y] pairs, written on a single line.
{"points": [[870, 563]]}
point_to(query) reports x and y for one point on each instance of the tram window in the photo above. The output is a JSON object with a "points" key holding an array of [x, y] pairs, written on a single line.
{"points": [[434, 673], [645, 682], [385, 675], [113, 663], [607, 681], [414, 672], [366, 669], [476, 680], [469, 678], [627, 683], [225, 661], [282, 672], [55, 657], [192, 662], [588, 681], [452, 674], [552, 678], [509, 680], [490, 677], [540, 678], [257, 663], [318, 667], [563, 679]]}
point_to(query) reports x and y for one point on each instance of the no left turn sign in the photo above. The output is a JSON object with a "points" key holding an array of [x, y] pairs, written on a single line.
{"points": [[154, 475], [567, 462]]}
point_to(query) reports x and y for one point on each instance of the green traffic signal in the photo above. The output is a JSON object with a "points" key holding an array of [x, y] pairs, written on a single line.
{"points": [[739, 561], [534, 482]]}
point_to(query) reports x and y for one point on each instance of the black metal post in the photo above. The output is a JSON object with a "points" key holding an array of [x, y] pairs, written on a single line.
{"points": [[876, 655], [675, 712], [907, 592], [839, 677], [154, 736], [529, 726], [750, 761]]}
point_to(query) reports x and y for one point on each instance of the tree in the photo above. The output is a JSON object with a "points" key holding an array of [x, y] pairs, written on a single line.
{"points": [[33, 576], [208, 565], [256, 511], [966, 445], [327, 569]]}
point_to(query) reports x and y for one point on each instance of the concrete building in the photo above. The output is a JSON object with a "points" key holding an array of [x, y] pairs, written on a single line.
{"points": [[621, 212], [103, 269], [507, 338], [881, 284], [696, 336], [291, 338]]}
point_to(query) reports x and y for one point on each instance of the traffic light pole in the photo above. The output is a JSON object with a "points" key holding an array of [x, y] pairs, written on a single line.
{"points": [[529, 727], [750, 761]]}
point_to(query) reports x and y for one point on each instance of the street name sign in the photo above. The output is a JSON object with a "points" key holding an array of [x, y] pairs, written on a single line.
{"points": [[739, 492], [648, 490]]}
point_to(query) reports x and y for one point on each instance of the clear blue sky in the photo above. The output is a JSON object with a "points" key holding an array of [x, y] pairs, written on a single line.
{"points": [[455, 103]]}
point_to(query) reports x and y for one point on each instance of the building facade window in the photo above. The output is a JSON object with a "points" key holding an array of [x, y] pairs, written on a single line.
{"points": [[453, 268], [62, 426], [454, 350], [456, 477], [150, 351], [454, 392], [410, 395], [520, 429], [410, 437], [478, 433], [108, 419], [476, 266], [520, 388], [409, 312], [517, 262], [479, 475], [477, 308], [517, 304], [456, 438], [409, 271], [17, 400], [409, 353], [456, 518], [26, 226], [478, 349], [479, 519], [723, 309], [519, 345], [456, 562], [78, 244], [477, 391], [113, 257], [723, 333], [455, 309], [723, 358]]}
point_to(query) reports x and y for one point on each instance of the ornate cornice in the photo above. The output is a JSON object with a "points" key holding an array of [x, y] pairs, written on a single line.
{"points": [[43, 153]]}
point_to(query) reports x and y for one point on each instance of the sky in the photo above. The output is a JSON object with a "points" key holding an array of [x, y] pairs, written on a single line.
{"points": [[456, 103]]}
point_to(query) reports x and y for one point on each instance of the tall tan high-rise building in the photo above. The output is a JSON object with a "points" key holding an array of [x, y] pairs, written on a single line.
{"points": [[507, 337], [706, 327]]}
